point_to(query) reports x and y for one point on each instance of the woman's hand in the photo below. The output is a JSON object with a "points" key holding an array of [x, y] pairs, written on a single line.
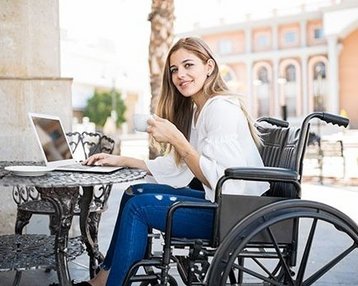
{"points": [[103, 159], [163, 131]]}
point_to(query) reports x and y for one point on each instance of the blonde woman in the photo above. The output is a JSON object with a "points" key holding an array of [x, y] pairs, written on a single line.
{"points": [[205, 129]]}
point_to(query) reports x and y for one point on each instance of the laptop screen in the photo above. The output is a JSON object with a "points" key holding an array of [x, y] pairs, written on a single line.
{"points": [[52, 138]]}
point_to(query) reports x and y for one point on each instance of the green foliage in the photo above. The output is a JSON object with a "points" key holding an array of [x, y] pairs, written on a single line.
{"points": [[99, 107]]}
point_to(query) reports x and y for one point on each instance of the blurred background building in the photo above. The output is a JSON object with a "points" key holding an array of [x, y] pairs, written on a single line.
{"points": [[292, 62], [288, 61]]}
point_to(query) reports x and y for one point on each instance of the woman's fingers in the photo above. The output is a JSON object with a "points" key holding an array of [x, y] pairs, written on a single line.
{"points": [[95, 159]]}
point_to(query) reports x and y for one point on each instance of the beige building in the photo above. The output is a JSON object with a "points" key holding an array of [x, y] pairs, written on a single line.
{"points": [[302, 62]]}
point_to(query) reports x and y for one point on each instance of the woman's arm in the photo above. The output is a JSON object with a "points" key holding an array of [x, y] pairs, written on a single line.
{"points": [[191, 158], [163, 131]]}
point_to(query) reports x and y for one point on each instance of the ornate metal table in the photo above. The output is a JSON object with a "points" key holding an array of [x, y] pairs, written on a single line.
{"points": [[61, 189]]}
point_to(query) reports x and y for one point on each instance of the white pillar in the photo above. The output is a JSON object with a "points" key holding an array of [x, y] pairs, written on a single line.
{"points": [[305, 101], [248, 40], [250, 91], [275, 88], [333, 78], [303, 33], [274, 37]]}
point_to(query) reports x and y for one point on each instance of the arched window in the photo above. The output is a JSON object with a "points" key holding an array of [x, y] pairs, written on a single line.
{"points": [[226, 73], [262, 75], [290, 73], [262, 90], [319, 86], [319, 70], [227, 76]]}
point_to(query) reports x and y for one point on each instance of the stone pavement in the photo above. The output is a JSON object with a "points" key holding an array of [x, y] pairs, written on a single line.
{"points": [[343, 198]]}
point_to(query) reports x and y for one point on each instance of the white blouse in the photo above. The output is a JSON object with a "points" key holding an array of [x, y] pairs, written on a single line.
{"points": [[222, 138]]}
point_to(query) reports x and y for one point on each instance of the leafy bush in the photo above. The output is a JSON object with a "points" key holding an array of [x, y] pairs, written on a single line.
{"points": [[99, 107]]}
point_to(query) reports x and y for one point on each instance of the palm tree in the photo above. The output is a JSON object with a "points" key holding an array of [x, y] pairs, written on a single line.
{"points": [[161, 38]]}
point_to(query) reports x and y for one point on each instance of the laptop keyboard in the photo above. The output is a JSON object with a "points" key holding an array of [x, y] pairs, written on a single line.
{"points": [[78, 166]]}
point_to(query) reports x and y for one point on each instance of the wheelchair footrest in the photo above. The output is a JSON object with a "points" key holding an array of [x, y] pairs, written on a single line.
{"points": [[143, 277]]}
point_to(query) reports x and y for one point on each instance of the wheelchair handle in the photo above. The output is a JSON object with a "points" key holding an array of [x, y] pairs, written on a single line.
{"points": [[273, 121], [330, 118]]}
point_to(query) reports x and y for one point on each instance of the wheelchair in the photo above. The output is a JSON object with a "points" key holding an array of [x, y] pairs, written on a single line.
{"points": [[265, 240]]}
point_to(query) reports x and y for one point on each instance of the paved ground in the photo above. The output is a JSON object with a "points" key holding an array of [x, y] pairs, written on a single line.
{"points": [[343, 198]]}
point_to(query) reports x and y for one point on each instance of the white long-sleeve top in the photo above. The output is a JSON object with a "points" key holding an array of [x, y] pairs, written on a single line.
{"points": [[222, 138]]}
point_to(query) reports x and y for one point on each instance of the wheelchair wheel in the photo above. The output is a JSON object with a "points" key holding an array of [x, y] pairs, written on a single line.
{"points": [[325, 243]]}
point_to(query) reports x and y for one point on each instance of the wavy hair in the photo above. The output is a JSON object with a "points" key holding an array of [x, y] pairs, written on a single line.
{"points": [[179, 109]]}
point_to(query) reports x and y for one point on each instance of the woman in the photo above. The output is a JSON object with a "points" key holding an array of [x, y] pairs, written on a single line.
{"points": [[205, 129]]}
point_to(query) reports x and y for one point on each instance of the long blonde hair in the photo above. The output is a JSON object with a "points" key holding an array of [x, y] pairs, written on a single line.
{"points": [[179, 109]]}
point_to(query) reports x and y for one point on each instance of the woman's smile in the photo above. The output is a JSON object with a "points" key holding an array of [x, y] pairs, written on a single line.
{"points": [[188, 72], [185, 84]]}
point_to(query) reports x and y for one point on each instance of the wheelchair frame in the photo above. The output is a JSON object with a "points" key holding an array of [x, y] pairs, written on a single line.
{"points": [[232, 244]]}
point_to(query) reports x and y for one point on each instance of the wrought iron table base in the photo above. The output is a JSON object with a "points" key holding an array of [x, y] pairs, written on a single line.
{"points": [[32, 251], [61, 191]]}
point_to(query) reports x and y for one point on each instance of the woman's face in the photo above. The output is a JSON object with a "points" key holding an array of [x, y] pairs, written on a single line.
{"points": [[188, 72]]}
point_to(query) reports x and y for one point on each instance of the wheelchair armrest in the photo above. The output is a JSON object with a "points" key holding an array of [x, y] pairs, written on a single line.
{"points": [[262, 174], [174, 208]]}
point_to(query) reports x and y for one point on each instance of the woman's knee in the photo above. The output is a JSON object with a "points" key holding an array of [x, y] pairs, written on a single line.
{"points": [[140, 188], [129, 191]]}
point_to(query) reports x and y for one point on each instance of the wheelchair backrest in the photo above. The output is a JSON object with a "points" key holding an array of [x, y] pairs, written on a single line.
{"points": [[280, 149]]}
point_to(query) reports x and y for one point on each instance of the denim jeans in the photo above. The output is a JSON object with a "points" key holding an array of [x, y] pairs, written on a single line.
{"points": [[145, 206]]}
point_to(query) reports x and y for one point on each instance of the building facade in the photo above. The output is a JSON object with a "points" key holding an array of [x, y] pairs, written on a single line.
{"points": [[291, 65]]}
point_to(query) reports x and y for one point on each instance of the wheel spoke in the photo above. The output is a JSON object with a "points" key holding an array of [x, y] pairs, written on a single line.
{"points": [[282, 260], [259, 276], [306, 252], [313, 278], [263, 267]]}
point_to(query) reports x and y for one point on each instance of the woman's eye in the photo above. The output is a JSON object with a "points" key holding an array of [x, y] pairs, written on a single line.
{"points": [[188, 65], [173, 70]]}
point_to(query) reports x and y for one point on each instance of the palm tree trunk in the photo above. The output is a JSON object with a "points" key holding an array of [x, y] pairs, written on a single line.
{"points": [[161, 39]]}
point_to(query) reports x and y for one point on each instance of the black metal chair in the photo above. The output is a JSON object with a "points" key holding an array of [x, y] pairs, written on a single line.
{"points": [[29, 202], [255, 239]]}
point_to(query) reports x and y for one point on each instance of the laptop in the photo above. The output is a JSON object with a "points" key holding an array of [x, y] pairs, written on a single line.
{"points": [[55, 148]]}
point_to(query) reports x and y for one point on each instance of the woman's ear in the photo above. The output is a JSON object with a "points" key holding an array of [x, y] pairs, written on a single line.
{"points": [[210, 65]]}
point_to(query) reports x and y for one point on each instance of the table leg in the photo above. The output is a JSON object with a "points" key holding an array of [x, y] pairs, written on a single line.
{"points": [[89, 223], [63, 200]]}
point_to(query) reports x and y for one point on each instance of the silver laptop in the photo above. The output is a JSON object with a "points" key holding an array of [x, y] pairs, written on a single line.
{"points": [[55, 148]]}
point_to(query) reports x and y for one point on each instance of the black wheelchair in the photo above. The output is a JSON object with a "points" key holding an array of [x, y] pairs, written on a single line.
{"points": [[266, 240]]}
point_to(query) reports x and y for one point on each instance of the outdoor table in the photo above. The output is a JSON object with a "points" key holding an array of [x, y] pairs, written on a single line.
{"points": [[61, 189]]}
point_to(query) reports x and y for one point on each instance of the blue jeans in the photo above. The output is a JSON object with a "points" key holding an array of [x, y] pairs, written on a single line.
{"points": [[145, 206]]}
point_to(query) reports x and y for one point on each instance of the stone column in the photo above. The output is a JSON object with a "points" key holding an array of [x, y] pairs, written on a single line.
{"points": [[29, 81], [30, 74]]}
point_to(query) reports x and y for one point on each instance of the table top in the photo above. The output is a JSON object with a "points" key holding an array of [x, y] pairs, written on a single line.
{"points": [[65, 179]]}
